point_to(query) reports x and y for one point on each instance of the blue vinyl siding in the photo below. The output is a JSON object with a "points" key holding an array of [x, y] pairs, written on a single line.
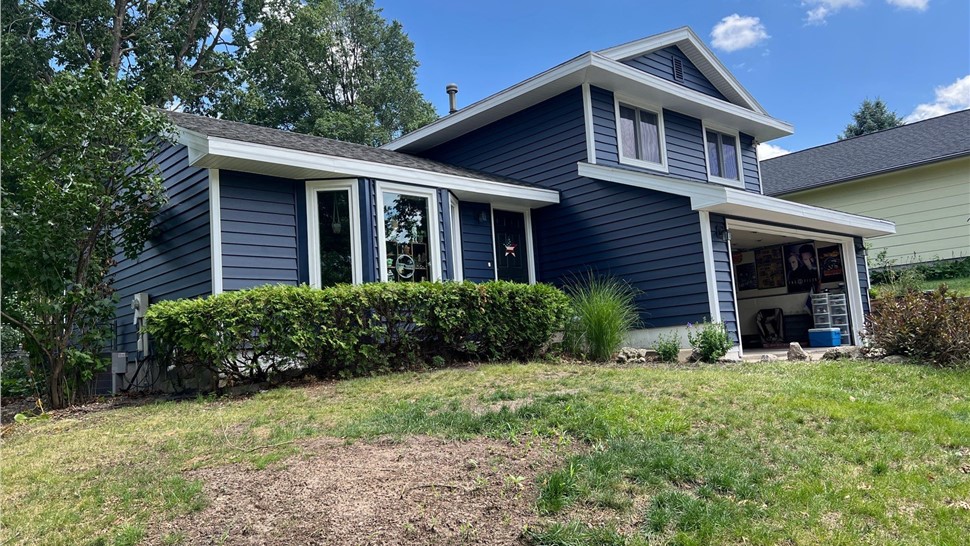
{"points": [[660, 64], [176, 262], [863, 269], [260, 243], [749, 164], [723, 274], [649, 238], [604, 126], [477, 253], [684, 137]]}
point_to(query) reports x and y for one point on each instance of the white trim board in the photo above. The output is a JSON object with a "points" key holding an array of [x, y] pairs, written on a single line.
{"points": [[603, 71], [530, 256], [457, 260], [588, 124], [216, 152], [215, 231], [313, 227], [736, 202], [710, 270]]}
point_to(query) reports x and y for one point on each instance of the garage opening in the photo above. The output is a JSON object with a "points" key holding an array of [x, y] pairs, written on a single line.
{"points": [[790, 282]]}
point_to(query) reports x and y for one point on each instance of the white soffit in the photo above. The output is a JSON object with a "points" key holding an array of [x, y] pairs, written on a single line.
{"points": [[220, 153], [741, 204]]}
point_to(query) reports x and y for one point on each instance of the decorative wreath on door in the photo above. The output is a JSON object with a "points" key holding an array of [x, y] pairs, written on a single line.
{"points": [[404, 266]]}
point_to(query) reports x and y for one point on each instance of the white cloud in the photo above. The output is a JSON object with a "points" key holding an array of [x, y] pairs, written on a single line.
{"points": [[949, 98], [918, 5], [768, 151], [821, 9], [735, 32]]}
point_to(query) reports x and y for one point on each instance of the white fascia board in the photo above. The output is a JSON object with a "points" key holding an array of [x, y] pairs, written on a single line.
{"points": [[197, 144], [789, 212], [505, 102], [701, 195], [677, 97], [695, 50], [234, 150], [738, 203]]}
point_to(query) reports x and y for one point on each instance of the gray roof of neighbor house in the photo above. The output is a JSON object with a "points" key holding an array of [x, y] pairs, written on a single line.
{"points": [[326, 146], [918, 143]]}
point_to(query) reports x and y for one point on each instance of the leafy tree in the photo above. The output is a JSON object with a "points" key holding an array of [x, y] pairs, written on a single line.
{"points": [[78, 185], [334, 68], [328, 67], [871, 116], [180, 51]]}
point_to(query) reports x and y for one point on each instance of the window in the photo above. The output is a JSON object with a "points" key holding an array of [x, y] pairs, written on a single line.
{"points": [[723, 157], [409, 249], [334, 233], [641, 136], [457, 273]]}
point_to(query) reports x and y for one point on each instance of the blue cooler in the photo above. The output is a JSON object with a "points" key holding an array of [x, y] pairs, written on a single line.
{"points": [[824, 337]]}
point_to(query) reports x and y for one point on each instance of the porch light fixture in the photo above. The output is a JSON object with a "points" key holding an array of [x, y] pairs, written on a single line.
{"points": [[723, 233]]}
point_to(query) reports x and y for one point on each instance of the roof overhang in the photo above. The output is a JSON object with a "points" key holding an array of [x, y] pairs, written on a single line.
{"points": [[742, 204], [601, 71], [221, 153]]}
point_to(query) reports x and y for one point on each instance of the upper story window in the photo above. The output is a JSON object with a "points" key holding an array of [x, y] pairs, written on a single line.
{"points": [[723, 157], [640, 136]]}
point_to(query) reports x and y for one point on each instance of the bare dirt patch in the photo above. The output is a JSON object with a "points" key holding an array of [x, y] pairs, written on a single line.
{"points": [[420, 490]]}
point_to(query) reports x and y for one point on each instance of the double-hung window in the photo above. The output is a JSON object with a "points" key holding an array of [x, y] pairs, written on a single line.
{"points": [[334, 232], [640, 135], [723, 157]]}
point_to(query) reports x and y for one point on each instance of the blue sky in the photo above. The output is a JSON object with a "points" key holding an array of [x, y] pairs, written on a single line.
{"points": [[810, 62]]}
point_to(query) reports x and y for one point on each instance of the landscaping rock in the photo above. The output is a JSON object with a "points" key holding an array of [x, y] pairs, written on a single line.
{"points": [[768, 358], [895, 359], [729, 360], [842, 353], [874, 353], [795, 352], [695, 356]]}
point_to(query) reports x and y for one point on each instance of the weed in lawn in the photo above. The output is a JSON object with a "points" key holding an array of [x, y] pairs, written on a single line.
{"points": [[576, 533]]}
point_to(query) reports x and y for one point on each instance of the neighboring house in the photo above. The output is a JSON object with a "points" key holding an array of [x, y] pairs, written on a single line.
{"points": [[917, 175], [637, 161]]}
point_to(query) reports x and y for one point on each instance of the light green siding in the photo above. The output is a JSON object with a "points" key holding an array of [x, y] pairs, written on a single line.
{"points": [[930, 206]]}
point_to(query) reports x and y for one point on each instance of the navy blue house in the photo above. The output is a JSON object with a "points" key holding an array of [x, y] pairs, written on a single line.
{"points": [[637, 161]]}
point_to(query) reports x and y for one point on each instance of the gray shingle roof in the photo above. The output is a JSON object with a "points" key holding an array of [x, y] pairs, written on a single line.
{"points": [[295, 141], [908, 145]]}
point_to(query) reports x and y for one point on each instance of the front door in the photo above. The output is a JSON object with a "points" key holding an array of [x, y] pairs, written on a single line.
{"points": [[510, 246]]}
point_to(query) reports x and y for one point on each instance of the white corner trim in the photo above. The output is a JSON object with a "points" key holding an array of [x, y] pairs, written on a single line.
{"points": [[434, 245], [457, 260], [313, 227], [588, 124], [734, 296], [491, 220], [215, 231], [709, 269], [236, 149]]}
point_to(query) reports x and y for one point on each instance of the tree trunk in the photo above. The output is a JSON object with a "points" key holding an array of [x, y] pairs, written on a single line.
{"points": [[56, 383]]}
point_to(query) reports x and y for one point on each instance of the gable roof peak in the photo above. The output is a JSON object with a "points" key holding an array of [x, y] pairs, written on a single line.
{"points": [[697, 51]]}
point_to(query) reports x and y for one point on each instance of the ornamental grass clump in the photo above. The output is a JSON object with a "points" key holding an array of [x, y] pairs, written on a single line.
{"points": [[604, 310]]}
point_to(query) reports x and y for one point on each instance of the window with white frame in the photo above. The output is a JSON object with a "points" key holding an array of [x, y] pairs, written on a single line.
{"points": [[640, 136], [723, 156], [409, 246], [334, 232]]}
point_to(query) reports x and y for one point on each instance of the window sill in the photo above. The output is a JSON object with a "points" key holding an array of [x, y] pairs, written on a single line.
{"points": [[659, 167], [726, 181]]}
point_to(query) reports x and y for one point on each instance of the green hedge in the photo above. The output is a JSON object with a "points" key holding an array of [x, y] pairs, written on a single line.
{"points": [[252, 335]]}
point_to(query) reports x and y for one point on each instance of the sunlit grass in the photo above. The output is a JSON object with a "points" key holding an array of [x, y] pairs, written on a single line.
{"points": [[817, 453]]}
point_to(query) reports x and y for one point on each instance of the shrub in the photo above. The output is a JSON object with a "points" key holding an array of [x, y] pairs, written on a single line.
{"points": [[345, 330], [668, 347], [930, 327], [604, 310], [709, 339]]}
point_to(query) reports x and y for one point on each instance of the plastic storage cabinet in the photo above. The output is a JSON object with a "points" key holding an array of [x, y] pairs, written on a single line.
{"points": [[831, 311]]}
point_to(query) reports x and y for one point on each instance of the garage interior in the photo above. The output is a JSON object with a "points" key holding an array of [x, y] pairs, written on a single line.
{"points": [[786, 285]]}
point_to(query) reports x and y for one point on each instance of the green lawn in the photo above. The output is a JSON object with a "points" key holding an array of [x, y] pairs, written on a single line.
{"points": [[819, 453], [960, 286]]}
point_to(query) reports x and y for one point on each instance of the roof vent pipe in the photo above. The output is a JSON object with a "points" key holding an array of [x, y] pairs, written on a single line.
{"points": [[452, 89]]}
